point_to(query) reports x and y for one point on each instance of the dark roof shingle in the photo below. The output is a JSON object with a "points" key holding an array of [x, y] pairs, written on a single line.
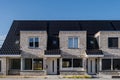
{"points": [[53, 27]]}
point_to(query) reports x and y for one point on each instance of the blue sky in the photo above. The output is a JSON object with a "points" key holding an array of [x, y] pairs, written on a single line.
{"points": [[56, 9]]}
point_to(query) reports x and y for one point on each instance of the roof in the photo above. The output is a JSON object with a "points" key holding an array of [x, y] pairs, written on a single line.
{"points": [[53, 27], [94, 52]]}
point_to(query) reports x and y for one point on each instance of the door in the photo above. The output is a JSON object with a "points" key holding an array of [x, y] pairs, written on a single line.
{"points": [[92, 66], [51, 66]]}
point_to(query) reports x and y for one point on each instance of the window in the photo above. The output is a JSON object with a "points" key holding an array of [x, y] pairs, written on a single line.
{"points": [[66, 63], [37, 63], [15, 64], [113, 42], [54, 42], [77, 62], [33, 64], [116, 64], [34, 42], [73, 42], [104, 62], [28, 64]]}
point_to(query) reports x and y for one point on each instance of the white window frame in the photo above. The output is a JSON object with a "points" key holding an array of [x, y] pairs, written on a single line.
{"points": [[73, 47], [33, 42]]}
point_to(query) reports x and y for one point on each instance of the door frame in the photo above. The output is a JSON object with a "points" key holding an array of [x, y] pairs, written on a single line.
{"points": [[52, 65], [92, 65]]}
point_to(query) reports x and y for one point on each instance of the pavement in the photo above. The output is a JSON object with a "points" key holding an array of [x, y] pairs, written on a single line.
{"points": [[52, 77]]}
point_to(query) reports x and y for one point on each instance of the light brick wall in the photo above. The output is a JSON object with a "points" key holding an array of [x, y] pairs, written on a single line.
{"points": [[103, 42], [3, 66], [24, 44], [63, 37]]}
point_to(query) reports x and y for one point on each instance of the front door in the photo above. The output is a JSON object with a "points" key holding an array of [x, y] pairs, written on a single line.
{"points": [[51, 66], [92, 65]]}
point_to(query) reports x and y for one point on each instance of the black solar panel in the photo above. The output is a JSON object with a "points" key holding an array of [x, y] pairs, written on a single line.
{"points": [[93, 27], [116, 24]]}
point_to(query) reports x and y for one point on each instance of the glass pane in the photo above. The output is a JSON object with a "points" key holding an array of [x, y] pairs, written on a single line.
{"points": [[77, 62], [28, 64], [70, 42], [66, 63], [31, 42], [38, 64], [108, 62], [116, 64], [15, 64], [36, 42], [76, 42], [113, 42]]}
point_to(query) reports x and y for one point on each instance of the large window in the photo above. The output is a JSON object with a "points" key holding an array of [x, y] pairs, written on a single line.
{"points": [[38, 64], [67, 63], [34, 42], [15, 64], [28, 64], [116, 64], [113, 42], [33, 64], [106, 64], [110, 64], [75, 62], [73, 42]]}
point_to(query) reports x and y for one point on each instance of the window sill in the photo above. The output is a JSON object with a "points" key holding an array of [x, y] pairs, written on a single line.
{"points": [[72, 67], [113, 47], [32, 70], [33, 47], [73, 48]]}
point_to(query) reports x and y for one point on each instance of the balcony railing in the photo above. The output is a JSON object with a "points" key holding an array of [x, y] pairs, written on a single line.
{"points": [[52, 52]]}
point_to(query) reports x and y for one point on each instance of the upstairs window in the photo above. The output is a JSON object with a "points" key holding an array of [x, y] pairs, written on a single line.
{"points": [[113, 42], [73, 42], [34, 42]]}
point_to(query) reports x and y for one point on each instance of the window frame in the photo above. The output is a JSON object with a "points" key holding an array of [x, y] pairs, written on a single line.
{"points": [[110, 45], [32, 69], [18, 66], [73, 42], [116, 65], [72, 65], [40, 59], [34, 42], [25, 64], [107, 64]]}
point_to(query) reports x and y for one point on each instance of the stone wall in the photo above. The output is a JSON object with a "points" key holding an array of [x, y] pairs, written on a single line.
{"points": [[72, 72], [24, 44], [103, 42], [109, 73], [63, 38], [32, 73]]}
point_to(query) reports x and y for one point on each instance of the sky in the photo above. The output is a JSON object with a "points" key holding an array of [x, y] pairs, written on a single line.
{"points": [[56, 10]]}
